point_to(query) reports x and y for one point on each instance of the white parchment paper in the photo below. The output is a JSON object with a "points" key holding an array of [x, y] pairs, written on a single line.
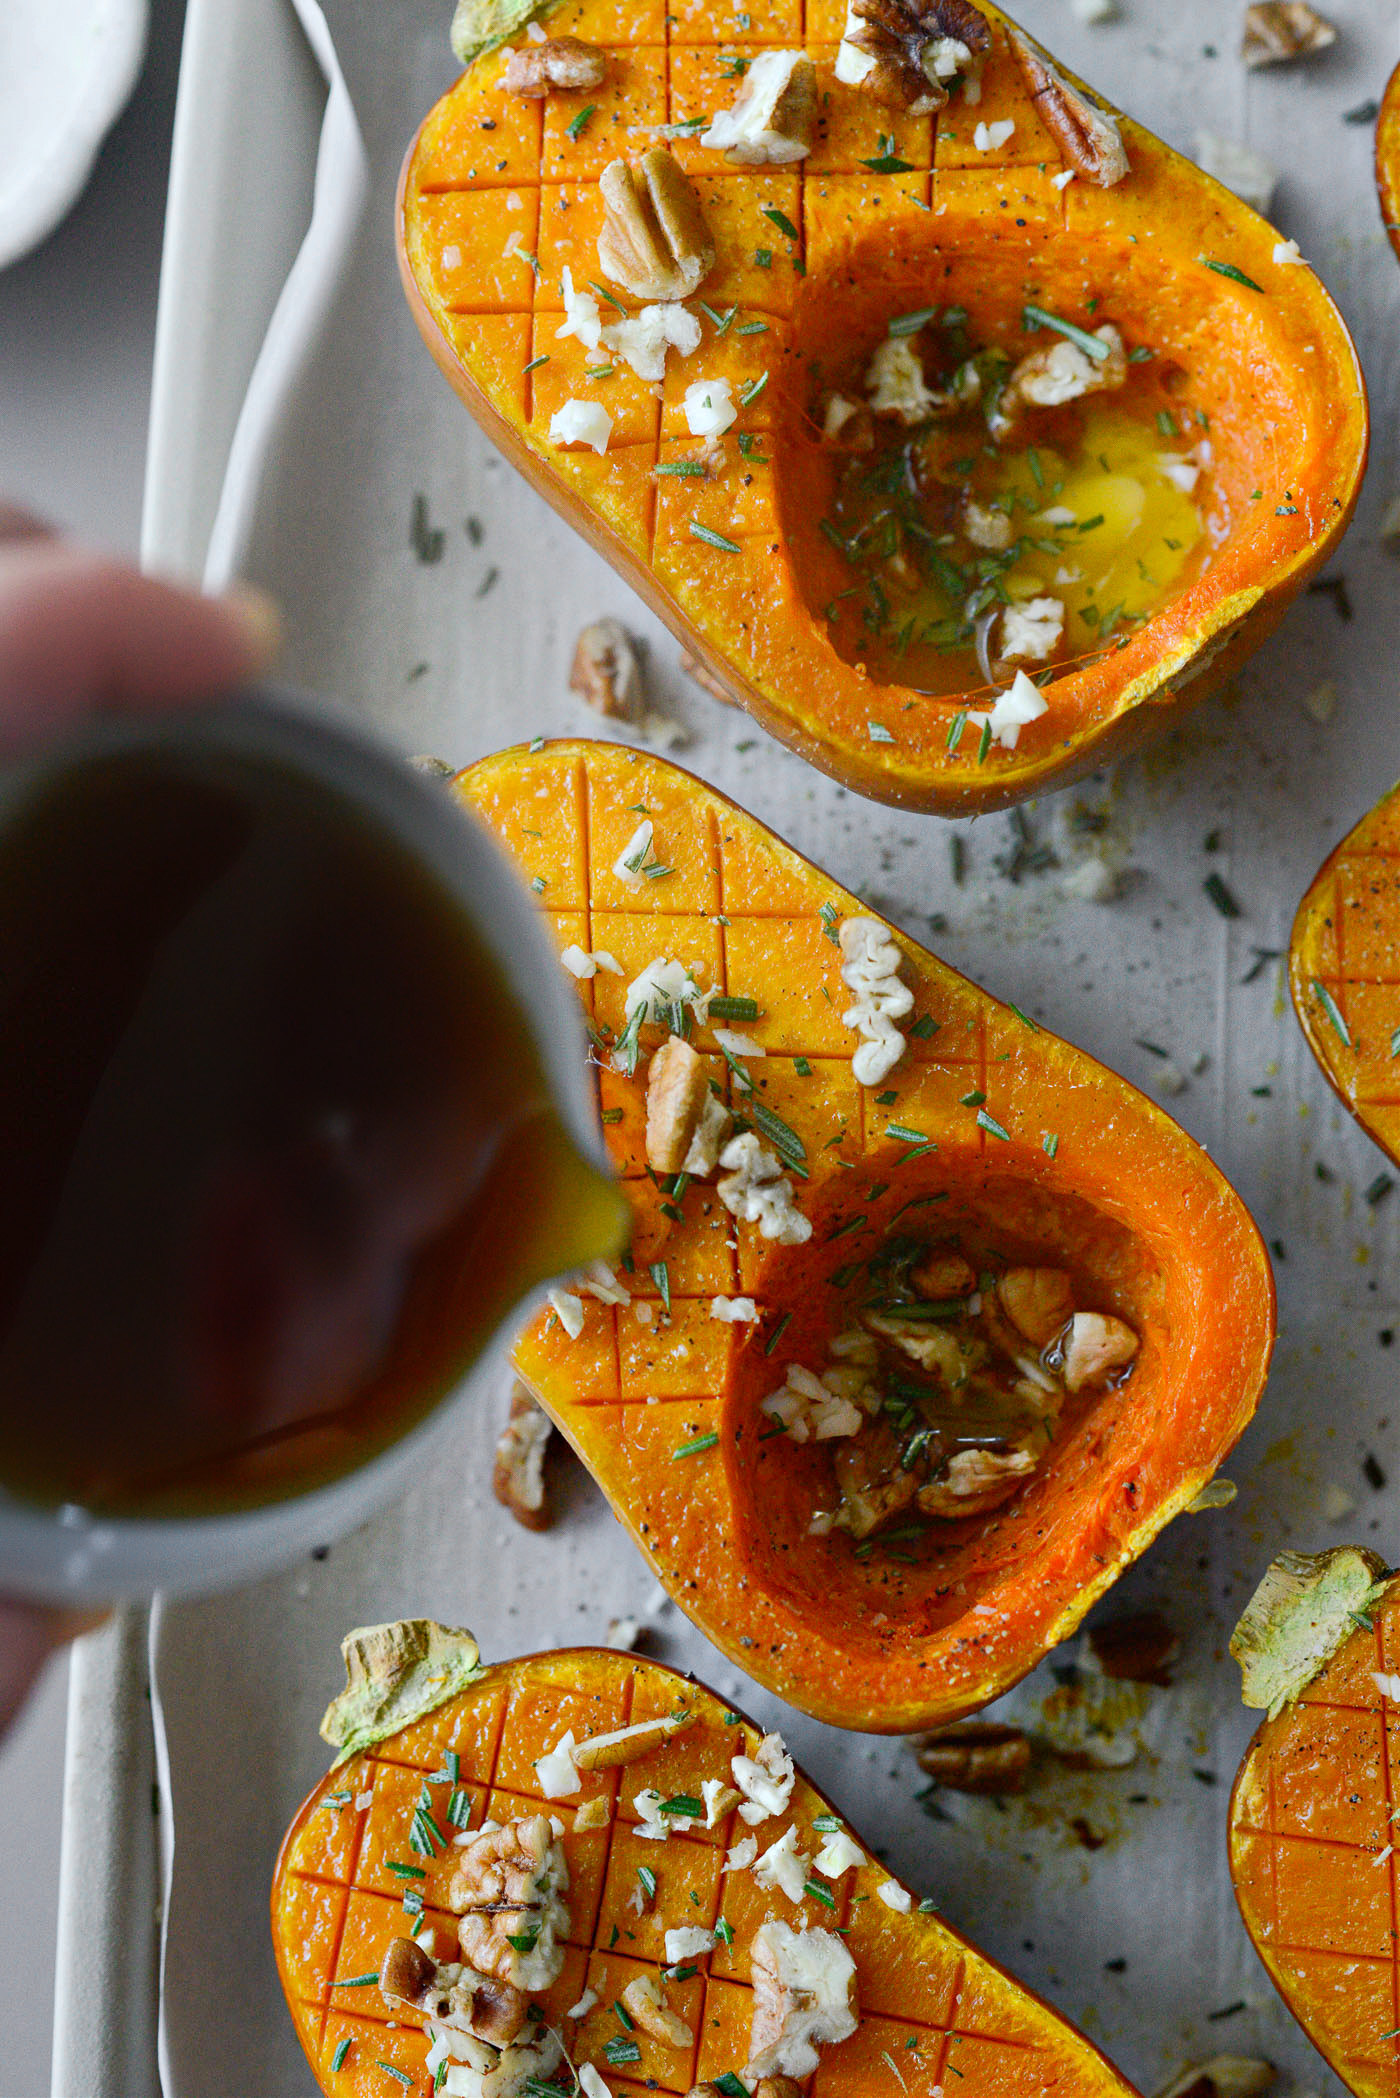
{"points": [[1137, 1939]]}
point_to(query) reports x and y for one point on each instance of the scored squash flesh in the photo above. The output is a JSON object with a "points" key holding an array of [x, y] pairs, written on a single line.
{"points": [[986, 1135], [978, 211], [1312, 1839], [1388, 158], [924, 1997], [1343, 972]]}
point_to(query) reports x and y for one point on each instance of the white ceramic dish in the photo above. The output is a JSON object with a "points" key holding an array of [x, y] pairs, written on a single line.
{"points": [[67, 69]]}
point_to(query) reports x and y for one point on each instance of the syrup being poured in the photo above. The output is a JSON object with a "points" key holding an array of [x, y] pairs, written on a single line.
{"points": [[280, 1154]]}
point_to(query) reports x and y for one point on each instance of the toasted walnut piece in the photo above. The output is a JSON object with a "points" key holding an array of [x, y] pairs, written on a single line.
{"points": [[1038, 1301], [606, 671], [677, 1089], [655, 241], [518, 1480], [647, 2007], [1223, 2076], [699, 674], [594, 1813], [455, 1996], [975, 1481], [1095, 1345], [1138, 1648], [803, 1999], [1279, 30], [508, 1885], [976, 1756], [630, 1743], [907, 51], [563, 64], [1088, 136]]}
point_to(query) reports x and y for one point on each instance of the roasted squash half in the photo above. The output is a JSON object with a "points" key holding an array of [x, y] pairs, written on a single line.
{"points": [[1344, 971], [1313, 1846], [371, 1858], [982, 212], [1388, 158], [987, 1136]]}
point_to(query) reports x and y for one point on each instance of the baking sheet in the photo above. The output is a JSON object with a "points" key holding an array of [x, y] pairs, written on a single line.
{"points": [[462, 655]]}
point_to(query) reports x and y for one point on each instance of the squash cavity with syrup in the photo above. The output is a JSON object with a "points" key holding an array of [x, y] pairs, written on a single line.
{"points": [[929, 1322], [960, 429], [582, 1872]]}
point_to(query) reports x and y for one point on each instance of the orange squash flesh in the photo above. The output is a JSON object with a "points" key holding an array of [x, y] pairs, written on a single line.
{"points": [[1388, 158], [946, 2015], [1344, 971], [1127, 1201], [1312, 1836], [1268, 366]]}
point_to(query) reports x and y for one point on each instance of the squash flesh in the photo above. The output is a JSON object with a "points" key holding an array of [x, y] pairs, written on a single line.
{"points": [[1343, 974], [926, 1996], [1310, 1842], [1127, 1201], [1273, 369]]}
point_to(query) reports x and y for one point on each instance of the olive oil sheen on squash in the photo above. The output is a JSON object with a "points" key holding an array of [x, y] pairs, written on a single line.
{"points": [[279, 1153]]}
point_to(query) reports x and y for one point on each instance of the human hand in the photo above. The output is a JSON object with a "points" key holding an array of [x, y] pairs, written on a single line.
{"points": [[83, 634]]}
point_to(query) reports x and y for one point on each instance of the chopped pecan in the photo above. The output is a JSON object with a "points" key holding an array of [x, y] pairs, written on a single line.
{"points": [[518, 1480], [655, 241], [1088, 136], [563, 64], [647, 2007], [977, 1755], [454, 1996], [912, 49], [607, 673], [942, 1275], [508, 1891], [593, 1813], [1038, 1301], [686, 1123], [975, 1481], [1138, 1648], [1278, 30], [1096, 1345], [774, 115], [705, 678]]}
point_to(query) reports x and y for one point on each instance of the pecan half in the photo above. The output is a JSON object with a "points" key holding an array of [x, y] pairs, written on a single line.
{"points": [[518, 1480], [1278, 30], [606, 672], [976, 1756], [915, 47], [562, 65], [655, 240], [1088, 136]]}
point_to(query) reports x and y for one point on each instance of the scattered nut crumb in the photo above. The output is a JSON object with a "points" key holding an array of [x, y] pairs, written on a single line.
{"points": [[561, 64], [518, 1481], [606, 671], [1279, 30], [976, 1755]]}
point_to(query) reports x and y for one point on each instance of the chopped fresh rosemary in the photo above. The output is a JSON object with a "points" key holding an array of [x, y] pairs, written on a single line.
{"points": [[648, 1881], [820, 1893], [1050, 1143], [579, 124], [359, 1981], [784, 1139], [661, 1276], [711, 538], [736, 1008], [770, 1345], [1221, 897], [536, 362], [910, 323], [992, 1125], [399, 2075], [338, 2058], [1033, 317], [1227, 269], [752, 391], [781, 220], [683, 469], [620, 2052], [693, 1448], [1332, 1009]]}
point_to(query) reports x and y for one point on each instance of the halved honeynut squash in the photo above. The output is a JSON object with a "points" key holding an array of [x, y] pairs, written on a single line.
{"points": [[1315, 1807], [581, 1872], [961, 430], [929, 1322]]}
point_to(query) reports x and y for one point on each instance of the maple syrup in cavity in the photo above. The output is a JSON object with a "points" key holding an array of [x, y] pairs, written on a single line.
{"points": [[279, 1153]]}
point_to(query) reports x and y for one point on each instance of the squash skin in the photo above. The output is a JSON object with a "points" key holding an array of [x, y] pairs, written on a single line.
{"points": [[1388, 158], [1129, 1197], [748, 618], [1347, 924], [1309, 1824], [334, 1907]]}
